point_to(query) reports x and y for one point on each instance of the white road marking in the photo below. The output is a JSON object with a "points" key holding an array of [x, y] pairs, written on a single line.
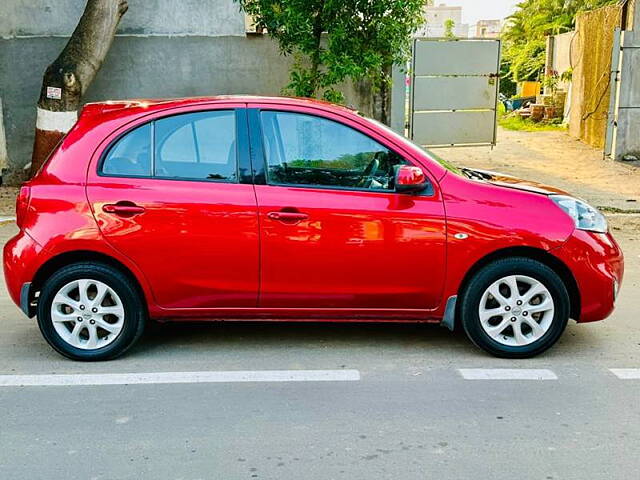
{"points": [[7, 220], [506, 374], [180, 377], [626, 373]]}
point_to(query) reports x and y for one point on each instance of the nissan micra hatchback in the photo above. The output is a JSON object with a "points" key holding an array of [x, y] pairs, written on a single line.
{"points": [[245, 208]]}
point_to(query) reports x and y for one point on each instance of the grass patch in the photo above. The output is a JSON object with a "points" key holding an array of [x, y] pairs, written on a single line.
{"points": [[516, 122], [513, 121]]}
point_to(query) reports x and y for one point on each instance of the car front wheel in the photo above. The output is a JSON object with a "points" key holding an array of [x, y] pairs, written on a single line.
{"points": [[515, 308], [89, 311]]}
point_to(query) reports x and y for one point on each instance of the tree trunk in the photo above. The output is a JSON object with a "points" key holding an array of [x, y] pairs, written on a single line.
{"points": [[66, 80], [382, 97]]}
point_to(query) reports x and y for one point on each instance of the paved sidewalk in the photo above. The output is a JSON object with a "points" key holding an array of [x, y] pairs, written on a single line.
{"points": [[557, 159]]}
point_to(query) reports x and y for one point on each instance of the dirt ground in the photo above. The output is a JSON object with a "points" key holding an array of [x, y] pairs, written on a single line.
{"points": [[8, 201], [557, 159]]}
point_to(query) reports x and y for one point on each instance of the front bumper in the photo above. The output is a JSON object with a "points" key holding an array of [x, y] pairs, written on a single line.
{"points": [[597, 264]]}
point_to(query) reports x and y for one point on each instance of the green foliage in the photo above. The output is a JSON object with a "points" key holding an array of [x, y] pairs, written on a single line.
{"points": [[550, 81], [449, 25], [525, 125], [507, 85], [525, 35], [513, 121], [333, 40], [567, 75], [356, 161]]}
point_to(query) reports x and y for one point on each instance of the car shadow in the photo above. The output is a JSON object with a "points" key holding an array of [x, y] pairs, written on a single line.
{"points": [[347, 340], [298, 335]]}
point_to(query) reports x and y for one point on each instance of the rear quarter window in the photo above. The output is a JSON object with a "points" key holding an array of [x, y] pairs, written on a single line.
{"points": [[130, 156]]}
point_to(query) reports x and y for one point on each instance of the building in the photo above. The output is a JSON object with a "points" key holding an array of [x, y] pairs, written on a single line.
{"points": [[435, 18], [488, 28]]}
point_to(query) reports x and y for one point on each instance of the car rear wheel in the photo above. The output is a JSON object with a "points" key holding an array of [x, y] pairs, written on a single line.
{"points": [[515, 308], [89, 311]]}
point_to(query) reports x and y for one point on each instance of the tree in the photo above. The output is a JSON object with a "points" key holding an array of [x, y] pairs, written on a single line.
{"points": [[335, 40], [525, 35], [66, 80], [449, 25]]}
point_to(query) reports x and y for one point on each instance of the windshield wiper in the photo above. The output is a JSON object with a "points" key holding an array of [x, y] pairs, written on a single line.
{"points": [[475, 174]]}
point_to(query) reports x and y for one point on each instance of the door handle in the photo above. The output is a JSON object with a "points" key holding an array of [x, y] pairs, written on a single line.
{"points": [[288, 217], [123, 208]]}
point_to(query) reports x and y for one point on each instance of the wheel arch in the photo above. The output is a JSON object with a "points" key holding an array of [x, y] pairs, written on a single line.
{"points": [[542, 256], [76, 256]]}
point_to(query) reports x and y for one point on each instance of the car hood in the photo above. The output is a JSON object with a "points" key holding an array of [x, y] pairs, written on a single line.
{"points": [[503, 180]]}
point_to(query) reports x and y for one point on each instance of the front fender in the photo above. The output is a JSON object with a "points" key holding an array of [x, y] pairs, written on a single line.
{"points": [[483, 219]]}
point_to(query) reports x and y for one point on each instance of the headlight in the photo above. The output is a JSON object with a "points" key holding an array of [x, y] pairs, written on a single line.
{"points": [[585, 216]]}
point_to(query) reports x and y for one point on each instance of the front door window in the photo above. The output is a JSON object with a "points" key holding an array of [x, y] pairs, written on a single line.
{"points": [[313, 151]]}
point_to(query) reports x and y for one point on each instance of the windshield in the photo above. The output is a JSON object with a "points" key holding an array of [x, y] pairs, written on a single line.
{"points": [[445, 163]]}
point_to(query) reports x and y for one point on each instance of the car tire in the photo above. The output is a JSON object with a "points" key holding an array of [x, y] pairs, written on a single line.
{"points": [[494, 318], [119, 318]]}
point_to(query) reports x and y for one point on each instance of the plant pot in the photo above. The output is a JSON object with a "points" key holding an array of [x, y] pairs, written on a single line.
{"points": [[537, 112], [550, 112]]}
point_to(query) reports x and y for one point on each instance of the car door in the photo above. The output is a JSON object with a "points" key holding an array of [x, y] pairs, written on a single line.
{"points": [[335, 235], [169, 193]]}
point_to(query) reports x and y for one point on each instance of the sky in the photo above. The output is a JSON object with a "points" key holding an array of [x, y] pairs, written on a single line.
{"points": [[474, 10]]}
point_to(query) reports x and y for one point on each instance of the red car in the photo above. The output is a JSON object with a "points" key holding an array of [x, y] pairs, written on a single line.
{"points": [[245, 208]]}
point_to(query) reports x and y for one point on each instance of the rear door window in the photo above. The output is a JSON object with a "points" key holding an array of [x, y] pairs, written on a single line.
{"points": [[193, 146], [197, 146]]}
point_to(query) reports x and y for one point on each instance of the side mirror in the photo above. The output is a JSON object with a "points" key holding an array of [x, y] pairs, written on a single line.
{"points": [[410, 180]]}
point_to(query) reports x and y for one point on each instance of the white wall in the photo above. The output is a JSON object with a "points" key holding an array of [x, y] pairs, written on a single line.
{"points": [[145, 17]]}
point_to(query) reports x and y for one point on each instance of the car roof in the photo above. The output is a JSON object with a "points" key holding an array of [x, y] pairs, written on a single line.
{"points": [[133, 106]]}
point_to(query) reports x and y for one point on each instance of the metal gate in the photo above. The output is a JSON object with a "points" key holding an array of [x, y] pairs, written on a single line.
{"points": [[614, 97], [454, 92]]}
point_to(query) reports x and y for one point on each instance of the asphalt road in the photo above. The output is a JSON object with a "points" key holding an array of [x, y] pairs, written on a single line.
{"points": [[402, 410]]}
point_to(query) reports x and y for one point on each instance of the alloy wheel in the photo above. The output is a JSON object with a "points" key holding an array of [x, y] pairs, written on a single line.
{"points": [[87, 314], [516, 310]]}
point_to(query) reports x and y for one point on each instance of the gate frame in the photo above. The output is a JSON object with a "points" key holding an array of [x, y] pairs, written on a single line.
{"points": [[623, 117], [411, 93], [614, 92]]}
